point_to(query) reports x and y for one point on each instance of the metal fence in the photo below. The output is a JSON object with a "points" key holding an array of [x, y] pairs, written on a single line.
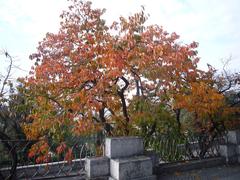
{"points": [[185, 147], [17, 163]]}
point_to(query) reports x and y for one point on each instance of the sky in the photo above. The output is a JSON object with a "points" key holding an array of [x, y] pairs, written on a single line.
{"points": [[214, 24]]}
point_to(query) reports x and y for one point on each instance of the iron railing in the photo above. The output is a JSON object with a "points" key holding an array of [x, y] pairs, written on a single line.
{"points": [[15, 162], [173, 148]]}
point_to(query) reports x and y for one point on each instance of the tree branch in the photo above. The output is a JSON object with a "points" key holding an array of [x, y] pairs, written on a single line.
{"points": [[8, 72], [123, 101]]}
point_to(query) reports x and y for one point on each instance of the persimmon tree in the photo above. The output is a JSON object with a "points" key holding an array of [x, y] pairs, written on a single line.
{"points": [[83, 73], [92, 77]]}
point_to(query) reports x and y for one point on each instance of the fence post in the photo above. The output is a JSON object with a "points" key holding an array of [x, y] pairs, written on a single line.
{"points": [[124, 160], [231, 149]]}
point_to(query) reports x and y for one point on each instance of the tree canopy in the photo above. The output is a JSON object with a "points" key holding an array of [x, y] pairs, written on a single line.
{"points": [[92, 77]]}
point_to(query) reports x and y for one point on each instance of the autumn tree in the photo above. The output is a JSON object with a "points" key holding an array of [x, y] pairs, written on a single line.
{"points": [[83, 73], [91, 77]]}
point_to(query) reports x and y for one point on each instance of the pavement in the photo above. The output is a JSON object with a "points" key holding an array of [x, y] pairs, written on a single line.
{"points": [[225, 172]]}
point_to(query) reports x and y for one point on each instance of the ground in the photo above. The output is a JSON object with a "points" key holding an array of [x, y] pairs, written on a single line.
{"points": [[215, 173]]}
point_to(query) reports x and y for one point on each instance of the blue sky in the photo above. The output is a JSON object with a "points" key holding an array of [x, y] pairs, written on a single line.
{"points": [[214, 24]]}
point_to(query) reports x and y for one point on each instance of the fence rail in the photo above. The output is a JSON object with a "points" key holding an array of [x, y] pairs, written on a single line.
{"points": [[16, 162], [185, 148]]}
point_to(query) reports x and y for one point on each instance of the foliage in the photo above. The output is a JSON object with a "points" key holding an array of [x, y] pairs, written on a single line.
{"points": [[228, 84], [126, 78], [150, 119], [12, 115], [83, 73], [13, 107]]}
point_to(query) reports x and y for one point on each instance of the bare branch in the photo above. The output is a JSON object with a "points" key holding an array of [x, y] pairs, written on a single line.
{"points": [[8, 72], [229, 80]]}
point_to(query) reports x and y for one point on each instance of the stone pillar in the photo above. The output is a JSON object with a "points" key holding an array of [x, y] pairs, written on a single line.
{"points": [[228, 151], [234, 137], [231, 150], [124, 160], [117, 147], [238, 153], [97, 168]]}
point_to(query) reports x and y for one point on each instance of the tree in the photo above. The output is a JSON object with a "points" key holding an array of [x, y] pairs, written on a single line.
{"points": [[8, 119], [92, 77], [227, 84], [83, 73]]}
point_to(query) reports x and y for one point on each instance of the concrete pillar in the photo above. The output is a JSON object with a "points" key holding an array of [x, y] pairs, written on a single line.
{"points": [[228, 151], [234, 137], [131, 167], [124, 161], [97, 167], [238, 153], [231, 150], [117, 147]]}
